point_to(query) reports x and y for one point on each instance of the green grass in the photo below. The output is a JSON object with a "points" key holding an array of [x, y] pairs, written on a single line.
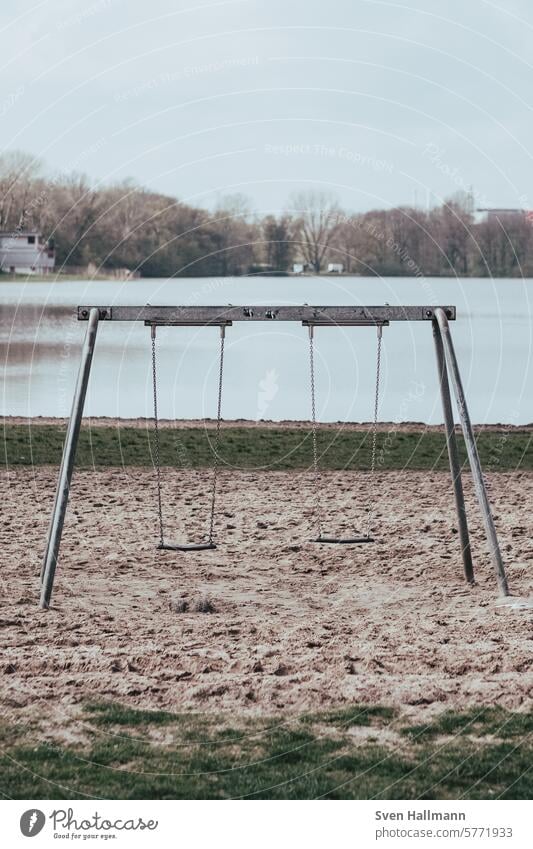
{"points": [[487, 720], [260, 447], [485, 754]]}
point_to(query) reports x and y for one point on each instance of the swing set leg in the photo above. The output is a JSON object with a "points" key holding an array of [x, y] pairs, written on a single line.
{"points": [[455, 467], [67, 463], [471, 448]]}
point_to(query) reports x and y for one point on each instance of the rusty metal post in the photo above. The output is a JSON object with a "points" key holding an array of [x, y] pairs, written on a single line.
{"points": [[455, 467], [67, 462], [472, 451]]}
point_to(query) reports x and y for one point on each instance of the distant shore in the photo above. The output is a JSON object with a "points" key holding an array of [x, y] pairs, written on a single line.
{"points": [[111, 278], [284, 424]]}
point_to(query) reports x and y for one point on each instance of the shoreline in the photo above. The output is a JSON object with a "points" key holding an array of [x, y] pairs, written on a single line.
{"points": [[66, 277], [284, 424]]}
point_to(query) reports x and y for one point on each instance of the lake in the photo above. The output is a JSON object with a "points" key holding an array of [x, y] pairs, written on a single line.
{"points": [[267, 365]]}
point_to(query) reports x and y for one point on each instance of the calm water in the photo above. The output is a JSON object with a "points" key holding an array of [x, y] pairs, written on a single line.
{"points": [[266, 366]]}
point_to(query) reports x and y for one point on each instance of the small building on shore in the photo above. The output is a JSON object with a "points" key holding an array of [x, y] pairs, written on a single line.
{"points": [[502, 214], [26, 252], [335, 268]]}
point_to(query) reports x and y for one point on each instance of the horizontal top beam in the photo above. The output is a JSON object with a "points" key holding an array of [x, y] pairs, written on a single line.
{"points": [[216, 315]]}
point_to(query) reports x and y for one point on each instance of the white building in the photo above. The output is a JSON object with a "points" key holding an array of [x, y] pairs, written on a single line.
{"points": [[26, 253], [500, 214], [298, 268], [335, 267]]}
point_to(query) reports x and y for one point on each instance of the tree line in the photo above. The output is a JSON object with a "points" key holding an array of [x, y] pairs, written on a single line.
{"points": [[124, 225]]}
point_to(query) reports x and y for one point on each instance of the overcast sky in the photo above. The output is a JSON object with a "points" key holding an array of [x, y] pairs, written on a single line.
{"points": [[383, 103]]}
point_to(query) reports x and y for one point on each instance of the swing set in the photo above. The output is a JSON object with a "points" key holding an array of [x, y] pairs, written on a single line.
{"points": [[311, 317]]}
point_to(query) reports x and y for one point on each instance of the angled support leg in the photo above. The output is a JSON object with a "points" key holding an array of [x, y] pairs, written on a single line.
{"points": [[67, 463], [472, 452], [453, 456]]}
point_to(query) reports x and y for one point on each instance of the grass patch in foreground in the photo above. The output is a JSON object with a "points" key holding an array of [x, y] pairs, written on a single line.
{"points": [[257, 447], [337, 755]]}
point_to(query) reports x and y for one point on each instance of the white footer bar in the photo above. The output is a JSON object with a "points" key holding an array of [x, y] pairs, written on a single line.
{"points": [[257, 824]]}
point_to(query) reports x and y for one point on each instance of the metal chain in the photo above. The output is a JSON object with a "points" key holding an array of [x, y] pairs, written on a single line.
{"points": [[217, 435], [318, 504], [372, 488], [157, 442]]}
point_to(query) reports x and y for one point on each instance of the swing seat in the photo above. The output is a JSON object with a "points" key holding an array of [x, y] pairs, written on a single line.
{"points": [[198, 546], [344, 540]]}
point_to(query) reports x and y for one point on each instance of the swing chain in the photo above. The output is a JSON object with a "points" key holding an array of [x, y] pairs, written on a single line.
{"points": [[217, 435], [157, 441], [316, 472], [372, 489]]}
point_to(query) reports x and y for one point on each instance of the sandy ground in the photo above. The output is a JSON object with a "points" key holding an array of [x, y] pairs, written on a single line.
{"points": [[297, 626]]}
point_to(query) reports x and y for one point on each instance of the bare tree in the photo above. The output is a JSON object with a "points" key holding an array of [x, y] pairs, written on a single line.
{"points": [[318, 220], [454, 236], [74, 208], [233, 235], [18, 170], [279, 241]]}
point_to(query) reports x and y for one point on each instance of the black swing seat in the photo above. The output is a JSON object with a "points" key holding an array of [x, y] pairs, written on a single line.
{"points": [[198, 546], [344, 540]]}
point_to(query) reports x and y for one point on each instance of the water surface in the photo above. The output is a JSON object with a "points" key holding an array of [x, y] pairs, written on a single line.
{"points": [[267, 365]]}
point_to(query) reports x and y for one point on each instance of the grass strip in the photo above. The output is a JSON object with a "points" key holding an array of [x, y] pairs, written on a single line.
{"points": [[259, 447], [474, 754]]}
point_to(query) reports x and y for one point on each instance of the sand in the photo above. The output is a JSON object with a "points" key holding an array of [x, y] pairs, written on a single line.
{"points": [[296, 626]]}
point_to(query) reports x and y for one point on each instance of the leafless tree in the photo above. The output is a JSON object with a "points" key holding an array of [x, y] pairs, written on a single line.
{"points": [[233, 235], [278, 236], [17, 172], [318, 218], [453, 234]]}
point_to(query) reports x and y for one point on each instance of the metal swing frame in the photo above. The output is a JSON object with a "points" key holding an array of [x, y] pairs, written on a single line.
{"points": [[346, 316]]}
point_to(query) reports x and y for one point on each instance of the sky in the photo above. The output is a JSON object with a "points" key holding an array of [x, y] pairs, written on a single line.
{"points": [[380, 103]]}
